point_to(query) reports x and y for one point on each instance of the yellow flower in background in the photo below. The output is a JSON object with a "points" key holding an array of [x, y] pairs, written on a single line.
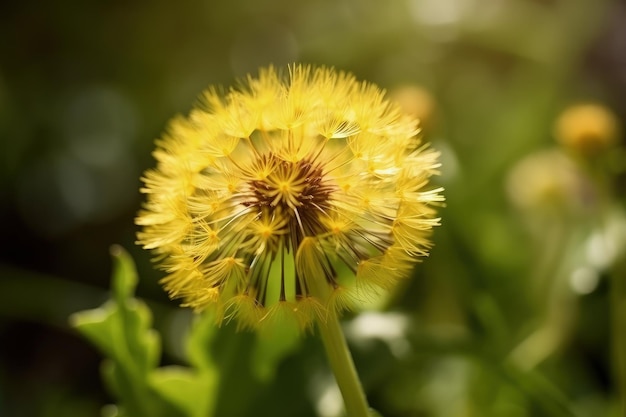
{"points": [[587, 128], [417, 102], [548, 181], [288, 197]]}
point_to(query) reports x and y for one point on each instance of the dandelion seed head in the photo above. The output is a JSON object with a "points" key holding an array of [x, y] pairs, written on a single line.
{"points": [[296, 195]]}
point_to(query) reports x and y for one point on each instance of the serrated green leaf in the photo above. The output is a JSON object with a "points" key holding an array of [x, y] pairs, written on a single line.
{"points": [[130, 390], [142, 343], [191, 391], [97, 326], [121, 330], [124, 274], [151, 396], [122, 333]]}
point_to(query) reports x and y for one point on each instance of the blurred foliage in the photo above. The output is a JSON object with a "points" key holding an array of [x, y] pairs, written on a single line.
{"points": [[121, 330], [519, 311]]}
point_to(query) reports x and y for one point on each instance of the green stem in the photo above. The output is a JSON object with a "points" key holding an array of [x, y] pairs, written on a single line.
{"points": [[343, 367], [618, 313]]}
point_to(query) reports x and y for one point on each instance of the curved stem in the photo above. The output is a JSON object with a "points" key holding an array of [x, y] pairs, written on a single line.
{"points": [[618, 313], [343, 367]]}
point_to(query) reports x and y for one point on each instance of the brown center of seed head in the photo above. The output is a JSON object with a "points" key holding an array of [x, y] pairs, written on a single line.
{"points": [[297, 191]]}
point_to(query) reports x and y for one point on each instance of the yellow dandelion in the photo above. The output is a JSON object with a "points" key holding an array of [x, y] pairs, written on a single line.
{"points": [[288, 197], [416, 101], [587, 128]]}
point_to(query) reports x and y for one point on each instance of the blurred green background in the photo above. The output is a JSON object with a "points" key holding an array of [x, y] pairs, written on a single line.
{"points": [[511, 314]]}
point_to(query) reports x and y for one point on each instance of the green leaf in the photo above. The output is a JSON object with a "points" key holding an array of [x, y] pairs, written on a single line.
{"points": [[131, 393], [142, 343], [124, 274], [138, 397], [272, 345], [112, 410], [187, 389], [200, 340], [97, 326], [121, 330]]}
